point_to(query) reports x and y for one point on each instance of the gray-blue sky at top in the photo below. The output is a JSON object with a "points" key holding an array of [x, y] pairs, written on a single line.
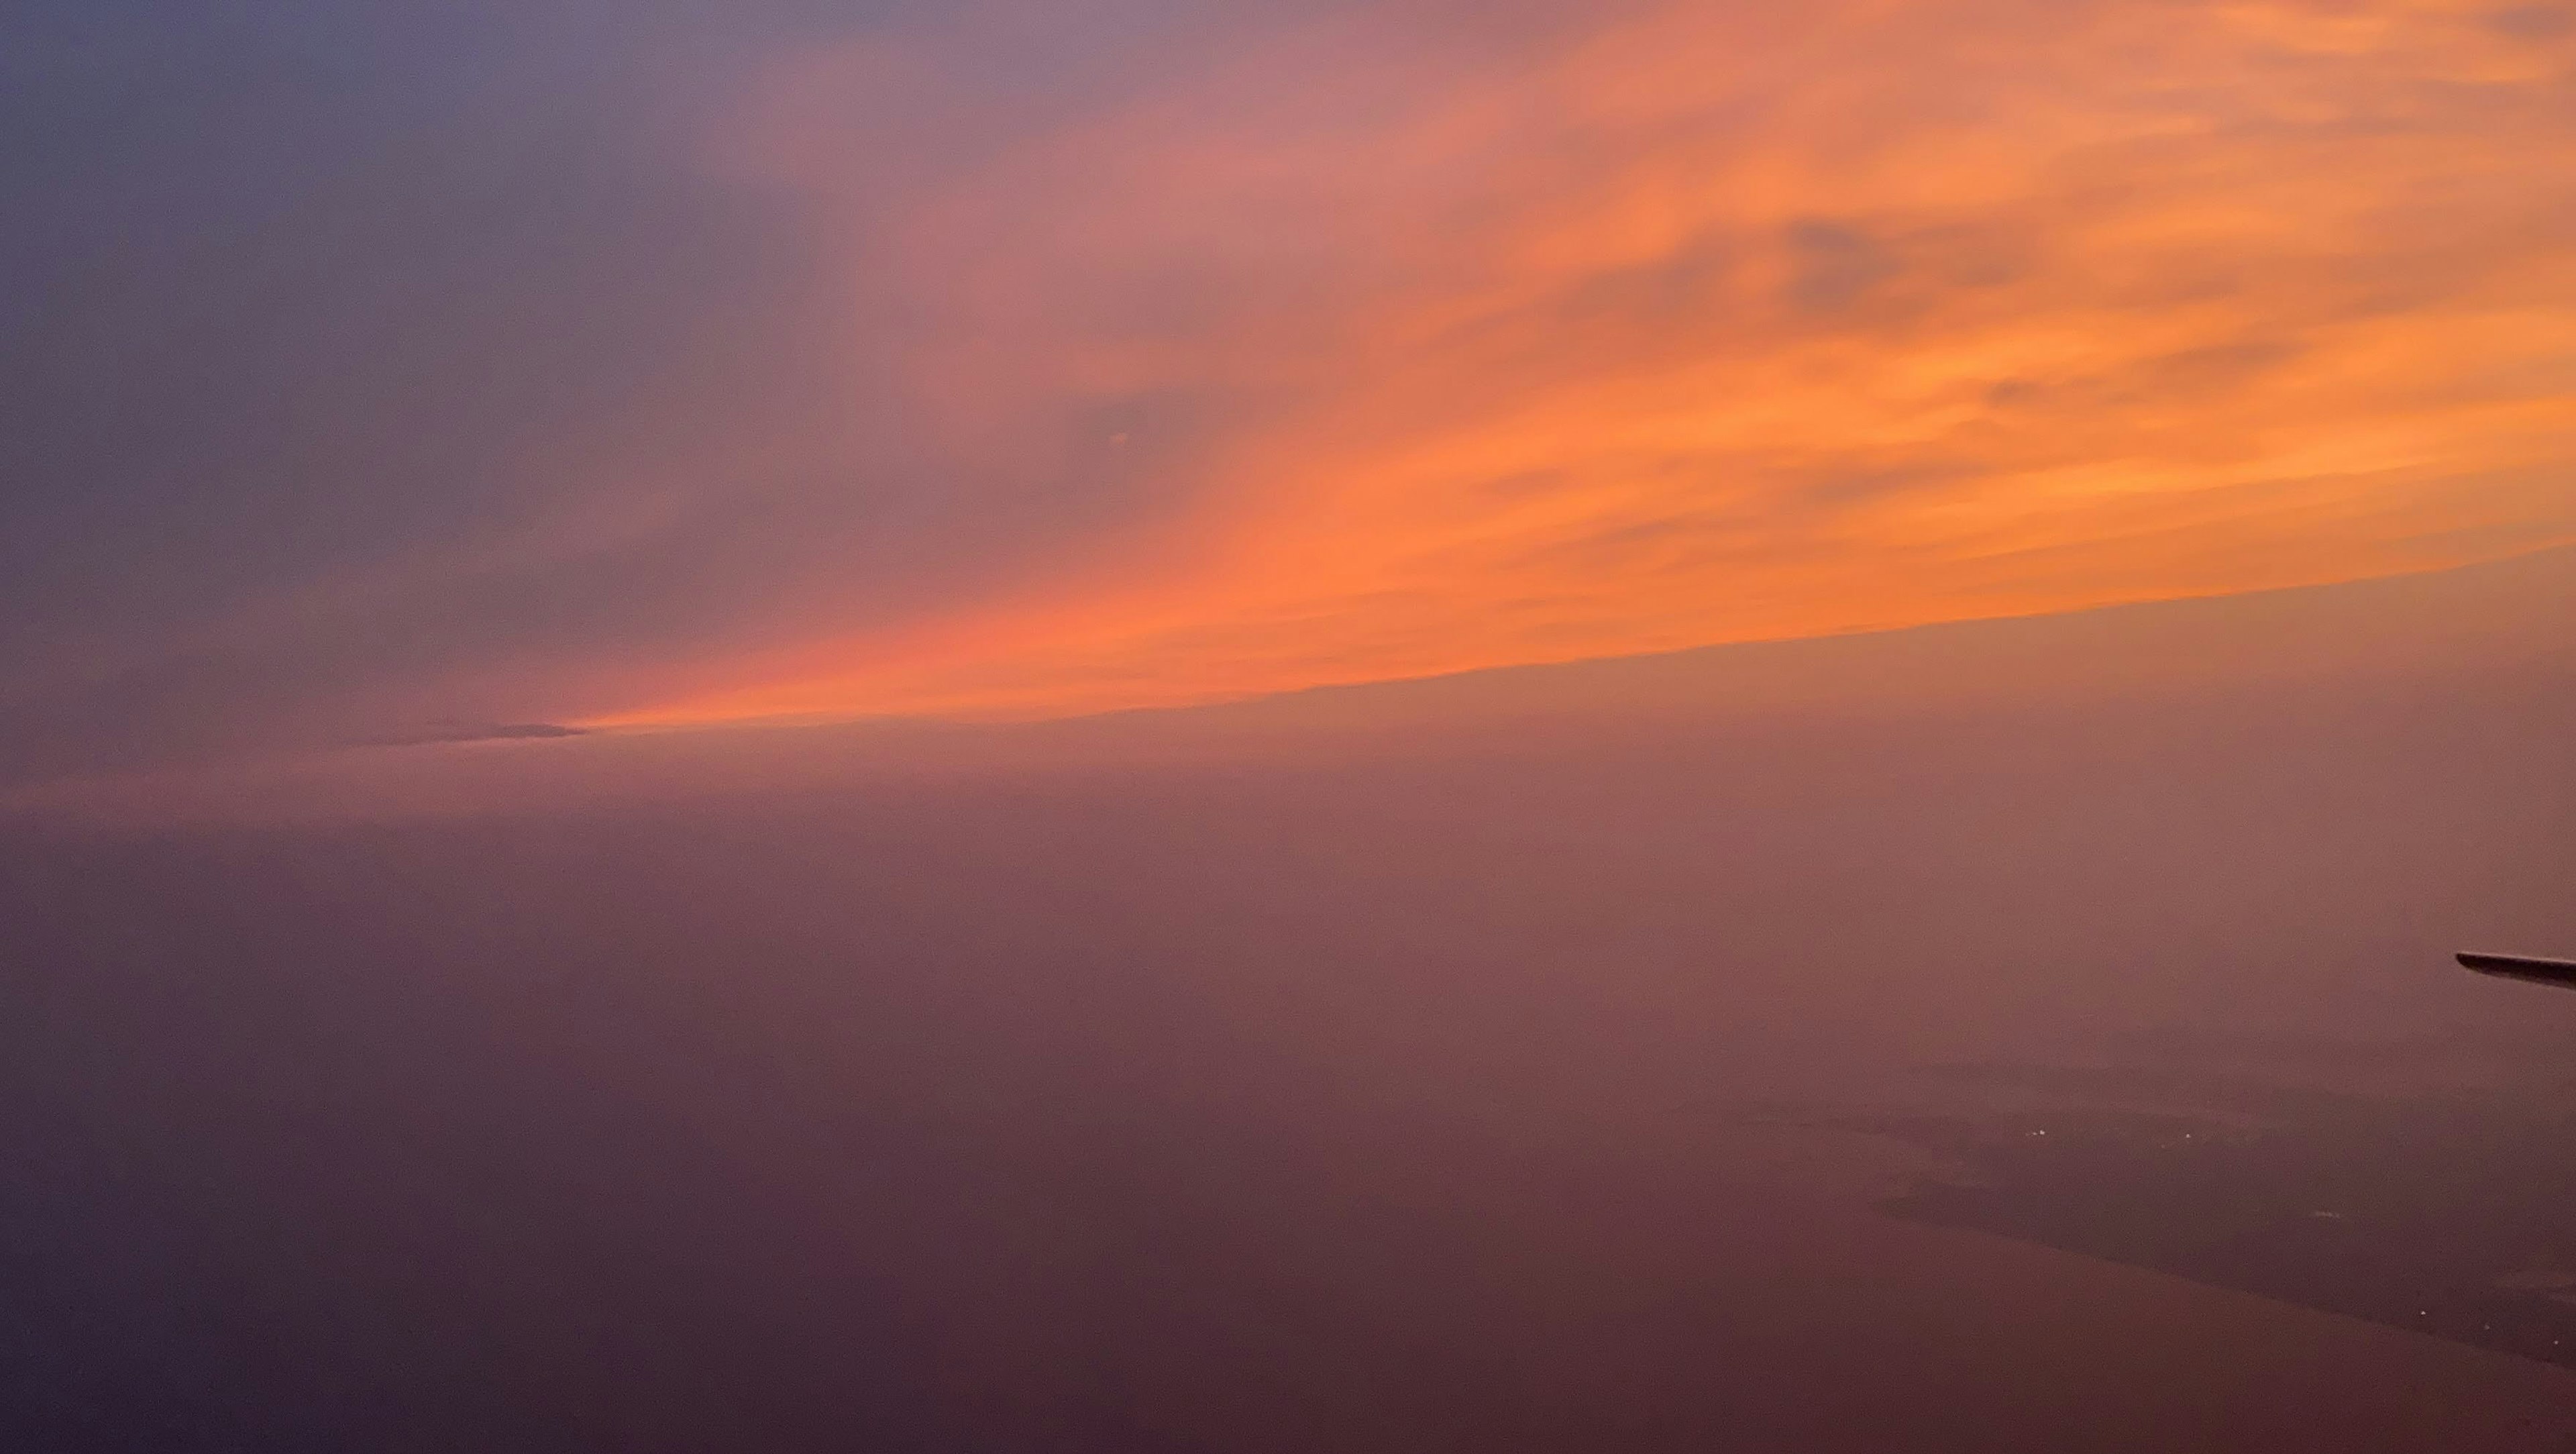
{"points": [[292, 289], [316, 314]]}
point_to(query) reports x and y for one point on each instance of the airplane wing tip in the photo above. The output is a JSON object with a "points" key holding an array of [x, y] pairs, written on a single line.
{"points": [[2519, 966]]}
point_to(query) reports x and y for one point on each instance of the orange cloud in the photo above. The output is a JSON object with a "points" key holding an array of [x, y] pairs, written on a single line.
{"points": [[1703, 323]]}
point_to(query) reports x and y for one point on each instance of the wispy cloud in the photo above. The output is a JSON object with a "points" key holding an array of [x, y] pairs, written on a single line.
{"points": [[1711, 322], [582, 363]]}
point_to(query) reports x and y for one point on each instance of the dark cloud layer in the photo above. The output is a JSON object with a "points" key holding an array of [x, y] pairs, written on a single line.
{"points": [[1363, 1072]]}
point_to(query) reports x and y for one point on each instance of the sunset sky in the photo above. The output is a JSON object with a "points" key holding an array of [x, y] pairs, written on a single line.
{"points": [[376, 377], [1260, 726]]}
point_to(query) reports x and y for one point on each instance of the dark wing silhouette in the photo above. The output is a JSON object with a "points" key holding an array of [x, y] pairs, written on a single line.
{"points": [[2560, 972]]}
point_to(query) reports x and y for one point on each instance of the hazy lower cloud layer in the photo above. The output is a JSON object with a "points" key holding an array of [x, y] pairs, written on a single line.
{"points": [[590, 364]]}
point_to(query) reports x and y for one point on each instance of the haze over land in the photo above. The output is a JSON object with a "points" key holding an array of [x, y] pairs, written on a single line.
{"points": [[1356, 1070]]}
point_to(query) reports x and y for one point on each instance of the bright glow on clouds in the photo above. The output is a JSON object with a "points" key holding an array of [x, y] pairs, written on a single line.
{"points": [[1706, 322]]}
